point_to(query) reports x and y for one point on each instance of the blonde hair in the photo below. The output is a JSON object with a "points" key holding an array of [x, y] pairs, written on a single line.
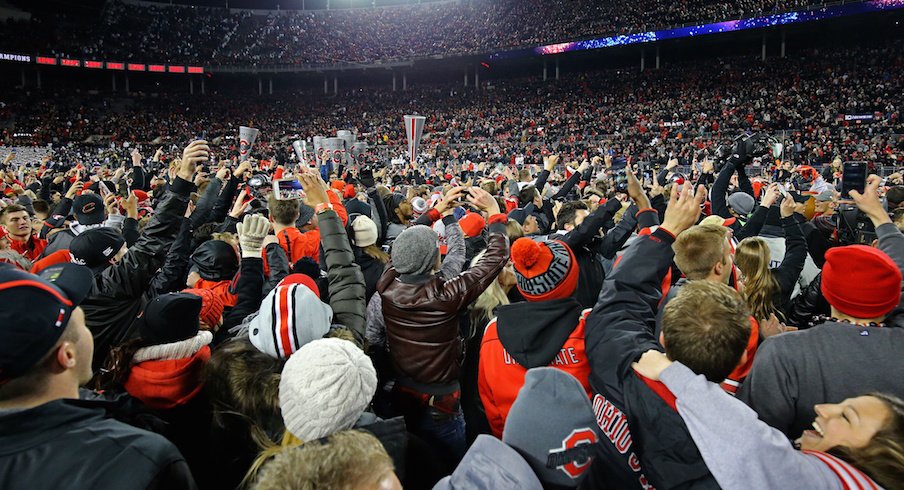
{"points": [[346, 461], [267, 453], [485, 304], [760, 286], [376, 253], [698, 249]]}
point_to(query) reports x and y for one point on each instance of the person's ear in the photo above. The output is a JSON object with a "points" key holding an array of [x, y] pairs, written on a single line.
{"points": [[874, 244], [719, 269], [662, 340], [66, 356]]}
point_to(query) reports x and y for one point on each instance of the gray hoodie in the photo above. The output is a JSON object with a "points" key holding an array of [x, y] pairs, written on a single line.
{"points": [[488, 465], [743, 452]]}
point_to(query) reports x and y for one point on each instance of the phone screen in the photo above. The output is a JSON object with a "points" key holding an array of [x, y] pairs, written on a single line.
{"points": [[853, 177], [288, 189]]}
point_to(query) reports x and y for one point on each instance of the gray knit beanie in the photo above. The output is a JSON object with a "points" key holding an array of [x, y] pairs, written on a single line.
{"points": [[415, 250], [742, 203], [561, 448]]}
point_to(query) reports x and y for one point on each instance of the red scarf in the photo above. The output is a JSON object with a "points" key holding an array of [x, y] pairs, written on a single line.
{"points": [[170, 383]]}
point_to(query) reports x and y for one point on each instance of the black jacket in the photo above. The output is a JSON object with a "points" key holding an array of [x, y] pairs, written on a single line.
{"points": [[372, 270], [71, 444], [646, 442], [718, 196], [120, 291]]}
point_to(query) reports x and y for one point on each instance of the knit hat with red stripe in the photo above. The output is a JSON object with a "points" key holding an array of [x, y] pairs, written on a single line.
{"points": [[544, 270], [290, 316], [861, 281]]}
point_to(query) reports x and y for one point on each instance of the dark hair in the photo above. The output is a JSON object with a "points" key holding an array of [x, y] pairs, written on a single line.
{"points": [[203, 233], [883, 457], [116, 371], [569, 212], [41, 206], [706, 327], [526, 196], [242, 384], [12, 208]]}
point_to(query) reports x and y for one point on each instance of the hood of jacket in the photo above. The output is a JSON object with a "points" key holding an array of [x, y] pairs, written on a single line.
{"points": [[491, 464], [534, 333], [165, 384]]}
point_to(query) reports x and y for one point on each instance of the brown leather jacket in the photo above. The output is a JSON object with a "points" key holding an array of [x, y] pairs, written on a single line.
{"points": [[421, 315]]}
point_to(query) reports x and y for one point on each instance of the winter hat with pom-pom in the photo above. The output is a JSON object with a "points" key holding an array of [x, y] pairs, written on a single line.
{"points": [[325, 387], [544, 270]]}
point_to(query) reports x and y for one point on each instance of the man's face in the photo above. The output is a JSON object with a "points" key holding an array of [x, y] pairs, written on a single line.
{"points": [[530, 225], [84, 347], [18, 223]]}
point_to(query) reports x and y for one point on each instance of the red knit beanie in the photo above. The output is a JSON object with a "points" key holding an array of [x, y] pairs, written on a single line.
{"points": [[211, 306], [861, 281], [472, 224], [544, 270], [301, 279]]}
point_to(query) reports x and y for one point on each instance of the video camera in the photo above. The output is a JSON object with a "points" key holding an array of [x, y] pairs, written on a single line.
{"points": [[853, 227]]}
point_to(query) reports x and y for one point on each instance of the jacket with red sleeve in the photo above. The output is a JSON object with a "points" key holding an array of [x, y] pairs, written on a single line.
{"points": [[646, 443], [553, 336]]}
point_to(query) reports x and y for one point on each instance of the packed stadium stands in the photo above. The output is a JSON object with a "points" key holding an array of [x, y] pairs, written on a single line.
{"points": [[217, 36]]}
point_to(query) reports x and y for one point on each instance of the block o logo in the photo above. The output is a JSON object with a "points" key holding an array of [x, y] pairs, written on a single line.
{"points": [[578, 437]]}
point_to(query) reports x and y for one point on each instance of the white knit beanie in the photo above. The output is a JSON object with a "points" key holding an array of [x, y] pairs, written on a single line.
{"points": [[325, 387], [365, 231]]}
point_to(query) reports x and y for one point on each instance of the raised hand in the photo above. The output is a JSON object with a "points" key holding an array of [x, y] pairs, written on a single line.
{"points": [[196, 152], [448, 201], [483, 200], [787, 207], [252, 231], [684, 208], [869, 202], [314, 188], [770, 195]]}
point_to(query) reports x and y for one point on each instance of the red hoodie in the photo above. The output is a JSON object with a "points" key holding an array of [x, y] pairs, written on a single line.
{"points": [[167, 384], [500, 376]]}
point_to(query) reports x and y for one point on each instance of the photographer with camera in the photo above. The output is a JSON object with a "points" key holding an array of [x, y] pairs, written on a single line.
{"points": [[739, 205]]}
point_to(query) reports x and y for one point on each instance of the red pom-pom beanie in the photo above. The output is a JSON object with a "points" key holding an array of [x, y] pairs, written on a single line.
{"points": [[544, 270]]}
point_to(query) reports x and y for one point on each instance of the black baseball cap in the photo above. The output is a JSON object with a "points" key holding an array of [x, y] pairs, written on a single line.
{"points": [[35, 313], [94, 248], [88, 209]]}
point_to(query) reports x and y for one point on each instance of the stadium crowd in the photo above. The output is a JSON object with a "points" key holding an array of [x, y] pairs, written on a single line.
{"points": [[688, 277], [685, 109], [177, 34], [183, 321]]}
